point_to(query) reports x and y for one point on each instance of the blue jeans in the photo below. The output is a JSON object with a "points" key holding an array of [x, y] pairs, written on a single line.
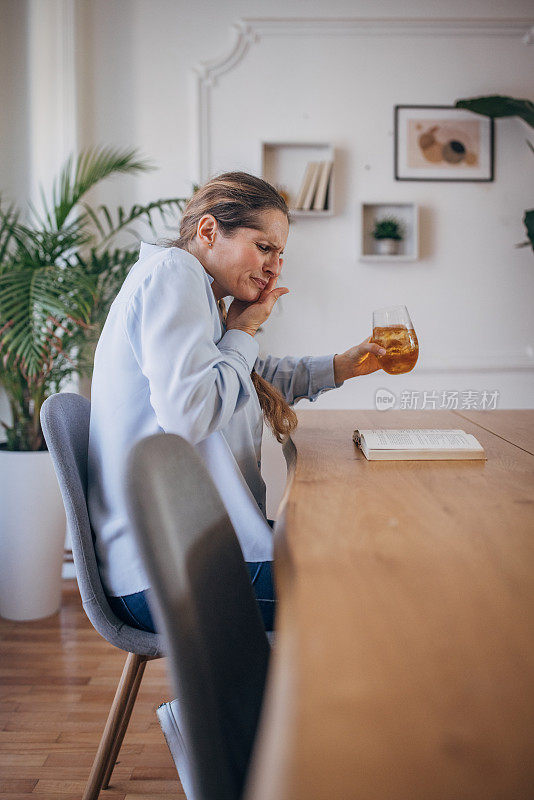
{"points": [[133, 608]]}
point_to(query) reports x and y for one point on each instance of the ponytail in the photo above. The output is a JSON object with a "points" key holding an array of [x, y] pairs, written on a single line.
{"points": [[278, 415]]}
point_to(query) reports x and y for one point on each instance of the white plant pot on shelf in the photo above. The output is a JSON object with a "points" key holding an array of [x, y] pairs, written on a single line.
{"points": [[387, 247], [32, 536]]}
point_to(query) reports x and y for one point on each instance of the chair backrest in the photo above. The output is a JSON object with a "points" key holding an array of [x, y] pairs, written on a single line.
{"points": [[204, 606], [65, 423]]}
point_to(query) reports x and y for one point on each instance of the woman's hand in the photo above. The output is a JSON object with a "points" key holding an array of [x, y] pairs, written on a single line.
{"points": [[249, 316], [358, 360]]}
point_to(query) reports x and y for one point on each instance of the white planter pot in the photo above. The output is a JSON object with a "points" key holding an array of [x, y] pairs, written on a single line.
{"points": [[32, 536], [387, 247]]}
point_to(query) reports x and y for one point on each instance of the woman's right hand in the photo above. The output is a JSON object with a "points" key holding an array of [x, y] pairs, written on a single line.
{"points": [[249, 316]]}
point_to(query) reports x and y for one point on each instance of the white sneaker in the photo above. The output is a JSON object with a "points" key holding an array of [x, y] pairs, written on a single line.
{"points": [[169, 719]]}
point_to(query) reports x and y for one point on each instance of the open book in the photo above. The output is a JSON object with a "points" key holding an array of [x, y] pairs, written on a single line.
{"points": [[426, 444]]}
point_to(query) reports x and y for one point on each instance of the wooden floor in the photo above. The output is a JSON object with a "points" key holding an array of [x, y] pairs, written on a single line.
{"points": [[57, 681]]}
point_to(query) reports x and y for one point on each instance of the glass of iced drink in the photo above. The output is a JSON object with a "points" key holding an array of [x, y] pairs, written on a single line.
{"points": [[393, 330]]}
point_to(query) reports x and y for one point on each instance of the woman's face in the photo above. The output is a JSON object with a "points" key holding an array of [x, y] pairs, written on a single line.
{"points": [[242, 264]]}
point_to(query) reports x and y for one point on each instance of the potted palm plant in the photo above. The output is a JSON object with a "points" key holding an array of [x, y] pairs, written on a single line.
{"points": [[59, 273], [387, 233]]}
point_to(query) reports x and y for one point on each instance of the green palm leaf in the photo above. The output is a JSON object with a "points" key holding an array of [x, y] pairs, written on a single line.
{"points": [[497, 105], [8, 222], [58, 278], [108, 227], [36, 305], [528, 221], [79, 175]]}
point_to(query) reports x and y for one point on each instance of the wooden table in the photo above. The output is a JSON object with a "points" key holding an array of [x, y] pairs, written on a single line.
{"points": [[404, 662]]}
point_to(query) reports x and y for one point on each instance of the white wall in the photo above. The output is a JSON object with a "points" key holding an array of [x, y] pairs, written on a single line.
{"points": [[14, 135], [471, 291]]}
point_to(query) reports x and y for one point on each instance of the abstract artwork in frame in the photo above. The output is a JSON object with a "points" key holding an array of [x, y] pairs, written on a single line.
{"points": [[442, 143]]}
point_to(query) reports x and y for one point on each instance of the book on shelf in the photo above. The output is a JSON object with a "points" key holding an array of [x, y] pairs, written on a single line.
{"points": [[425, 444], [319, 203], [308, 186], [310, 170]]}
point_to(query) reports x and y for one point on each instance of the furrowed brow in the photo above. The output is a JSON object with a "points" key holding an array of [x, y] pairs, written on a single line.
{"points": [[271, 244]]}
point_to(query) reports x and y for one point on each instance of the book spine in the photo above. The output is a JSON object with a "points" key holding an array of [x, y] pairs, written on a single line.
{"points": [[312, 188], [319, 204], [303, 191]]}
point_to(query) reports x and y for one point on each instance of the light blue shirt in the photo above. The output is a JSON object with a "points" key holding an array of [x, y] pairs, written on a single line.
{"points": [[165, 362]]}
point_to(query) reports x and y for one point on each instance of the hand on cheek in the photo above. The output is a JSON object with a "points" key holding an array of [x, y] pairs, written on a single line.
{"points": [[249, 316]]}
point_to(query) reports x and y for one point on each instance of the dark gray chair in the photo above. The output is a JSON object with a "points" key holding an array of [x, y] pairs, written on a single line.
{"points": [[204, 604], [65, 423]]}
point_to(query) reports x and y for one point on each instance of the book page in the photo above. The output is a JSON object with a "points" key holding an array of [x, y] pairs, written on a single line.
{"points": [[413, 439]]}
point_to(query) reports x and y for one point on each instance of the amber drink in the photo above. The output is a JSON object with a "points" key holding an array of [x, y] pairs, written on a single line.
{"points": [[393, 330]]}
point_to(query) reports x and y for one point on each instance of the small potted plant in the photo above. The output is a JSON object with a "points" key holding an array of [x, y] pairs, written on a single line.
{"points": [[387, 232], [60, 270]]}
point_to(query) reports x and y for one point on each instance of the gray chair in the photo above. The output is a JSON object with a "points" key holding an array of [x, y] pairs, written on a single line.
{"points": [[204, 604], [65, 423]]}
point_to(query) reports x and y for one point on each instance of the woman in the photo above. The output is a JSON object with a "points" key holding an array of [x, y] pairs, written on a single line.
{"points": [[170, 360]]}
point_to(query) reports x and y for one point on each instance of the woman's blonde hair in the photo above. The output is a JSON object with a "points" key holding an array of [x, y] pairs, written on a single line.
{"points": [[237, 200]]}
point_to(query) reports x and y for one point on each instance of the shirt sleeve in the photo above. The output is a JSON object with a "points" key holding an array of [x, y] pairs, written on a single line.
{"points": [[195, 385], [298, 378]]}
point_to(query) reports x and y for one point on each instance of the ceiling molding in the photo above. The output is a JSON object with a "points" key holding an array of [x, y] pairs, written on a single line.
{"points": [[380, 26]]}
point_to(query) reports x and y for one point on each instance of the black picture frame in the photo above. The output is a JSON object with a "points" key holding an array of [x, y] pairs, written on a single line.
{"points": [[404, 172]]}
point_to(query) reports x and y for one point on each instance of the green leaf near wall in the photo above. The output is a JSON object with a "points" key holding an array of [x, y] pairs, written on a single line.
{"points": [[497, 105], [528, 219]]}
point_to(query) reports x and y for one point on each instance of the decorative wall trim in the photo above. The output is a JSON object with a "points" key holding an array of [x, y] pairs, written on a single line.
{"points": [[250, 30], [363, 26], [502, 361]]}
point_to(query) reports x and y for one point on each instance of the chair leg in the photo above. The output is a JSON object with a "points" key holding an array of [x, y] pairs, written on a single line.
{"points": [[117, 744], [134, 664]]}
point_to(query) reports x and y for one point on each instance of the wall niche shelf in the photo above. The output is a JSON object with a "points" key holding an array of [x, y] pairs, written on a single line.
{"points": [[407, 213], [284, 164]]}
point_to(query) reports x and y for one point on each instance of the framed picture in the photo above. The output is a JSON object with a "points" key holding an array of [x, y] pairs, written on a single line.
{"points": [[442, 143]]}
